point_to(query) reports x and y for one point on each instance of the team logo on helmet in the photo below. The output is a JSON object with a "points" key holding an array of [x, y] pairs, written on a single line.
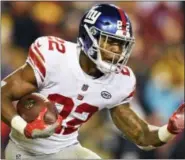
{"points": [[92, 16]]}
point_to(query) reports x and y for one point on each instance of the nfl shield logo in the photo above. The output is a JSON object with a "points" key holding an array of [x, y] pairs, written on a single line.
{"points": [[85, 87]]}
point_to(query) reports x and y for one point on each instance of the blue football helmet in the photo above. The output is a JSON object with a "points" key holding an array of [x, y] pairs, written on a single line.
{"points": [[108, 22]]}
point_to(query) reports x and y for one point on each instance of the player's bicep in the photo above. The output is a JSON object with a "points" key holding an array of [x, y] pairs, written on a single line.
{"points": [[19, 83], [129, 122]]}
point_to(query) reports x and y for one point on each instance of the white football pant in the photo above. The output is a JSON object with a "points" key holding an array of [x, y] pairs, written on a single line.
{"points": [[76, 151]]}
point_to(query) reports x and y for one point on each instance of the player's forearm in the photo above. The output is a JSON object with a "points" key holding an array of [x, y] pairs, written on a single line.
{"points": [[156, 137], [8, 112], [142, 134], [151, 137], [9, 115], [137, 130], [7, 109], [129, 125]]}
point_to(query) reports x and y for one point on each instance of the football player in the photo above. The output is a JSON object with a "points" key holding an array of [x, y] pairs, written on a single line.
{"points": [[81, 79]]}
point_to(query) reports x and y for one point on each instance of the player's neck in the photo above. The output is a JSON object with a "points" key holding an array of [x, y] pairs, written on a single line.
{"points": [[88, 66]]}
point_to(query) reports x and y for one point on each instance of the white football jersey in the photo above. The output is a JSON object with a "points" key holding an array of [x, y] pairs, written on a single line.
{"points": [[77, 96]]}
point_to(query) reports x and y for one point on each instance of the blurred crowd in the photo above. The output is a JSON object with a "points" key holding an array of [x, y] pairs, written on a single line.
{"points": [[157, 60]]}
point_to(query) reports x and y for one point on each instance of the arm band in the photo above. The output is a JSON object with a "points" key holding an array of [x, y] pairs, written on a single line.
{"points": [[146, 148], [164, 135], [18, 123]]}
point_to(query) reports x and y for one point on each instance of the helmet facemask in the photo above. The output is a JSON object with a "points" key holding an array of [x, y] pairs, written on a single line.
{"points": [[96, 50]]}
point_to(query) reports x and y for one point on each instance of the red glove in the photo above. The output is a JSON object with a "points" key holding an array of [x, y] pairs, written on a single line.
{"points": [[39, 129], [176, 121]]}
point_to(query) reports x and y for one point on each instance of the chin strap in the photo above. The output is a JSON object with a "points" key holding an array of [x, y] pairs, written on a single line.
{"points": [[106, 67]]}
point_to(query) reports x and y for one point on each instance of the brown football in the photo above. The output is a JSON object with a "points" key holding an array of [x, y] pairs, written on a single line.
{"points": [[30, 106]]}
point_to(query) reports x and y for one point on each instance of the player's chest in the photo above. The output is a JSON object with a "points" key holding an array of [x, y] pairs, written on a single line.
{"points": [[76, 92], [77, 101]]}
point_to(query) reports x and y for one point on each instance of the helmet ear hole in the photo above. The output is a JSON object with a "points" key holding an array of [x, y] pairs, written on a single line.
{"points": [[93, 31]]}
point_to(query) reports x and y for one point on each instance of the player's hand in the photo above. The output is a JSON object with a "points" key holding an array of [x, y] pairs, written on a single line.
{"points": [[39, 129], [176, 121]]}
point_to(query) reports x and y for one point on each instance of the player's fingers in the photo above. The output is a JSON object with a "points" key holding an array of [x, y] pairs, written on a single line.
{"points": [[59, 120], [41, 134], [42, 113], [54, 126]]}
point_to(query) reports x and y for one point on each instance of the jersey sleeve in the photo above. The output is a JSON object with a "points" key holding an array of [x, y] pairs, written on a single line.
{"points": [[38, 59], [126, 94]]}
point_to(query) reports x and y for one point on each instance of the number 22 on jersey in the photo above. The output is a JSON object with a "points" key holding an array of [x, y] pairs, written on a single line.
{"points": [[56, 44], [81, 113]]}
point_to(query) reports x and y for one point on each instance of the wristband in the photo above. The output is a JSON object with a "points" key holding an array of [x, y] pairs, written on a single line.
{"points": [[164, 135], [18, 123], [146, 148]]}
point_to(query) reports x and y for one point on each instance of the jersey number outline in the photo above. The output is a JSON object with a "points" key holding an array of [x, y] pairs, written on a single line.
{"points": [[84, 110], [56, 44]]}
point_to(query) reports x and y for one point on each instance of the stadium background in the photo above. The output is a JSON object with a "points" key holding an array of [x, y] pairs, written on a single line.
{"points": [[157, 60]]}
